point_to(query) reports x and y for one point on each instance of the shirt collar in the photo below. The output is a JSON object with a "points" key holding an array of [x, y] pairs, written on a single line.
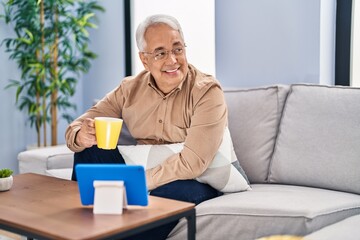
{"points": [[151, 82]]}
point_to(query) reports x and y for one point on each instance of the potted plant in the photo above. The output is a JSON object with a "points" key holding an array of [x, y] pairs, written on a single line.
{"points": [[51, 49], [6, 179]]}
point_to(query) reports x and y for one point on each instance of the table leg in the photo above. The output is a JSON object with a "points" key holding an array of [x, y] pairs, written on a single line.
{"points": [[191, 224]]}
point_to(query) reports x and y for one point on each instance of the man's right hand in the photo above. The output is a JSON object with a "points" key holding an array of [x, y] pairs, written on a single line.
{"points": [[85, 137]]}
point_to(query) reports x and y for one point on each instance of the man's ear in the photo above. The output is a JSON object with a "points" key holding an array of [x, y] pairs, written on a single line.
{"points": [[144, 60]]}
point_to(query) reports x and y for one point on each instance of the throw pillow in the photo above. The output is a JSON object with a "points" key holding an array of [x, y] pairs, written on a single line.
{"points": [[224, 173]]}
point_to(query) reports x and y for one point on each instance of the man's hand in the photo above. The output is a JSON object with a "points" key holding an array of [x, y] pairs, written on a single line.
{"points": [[86, 135]]}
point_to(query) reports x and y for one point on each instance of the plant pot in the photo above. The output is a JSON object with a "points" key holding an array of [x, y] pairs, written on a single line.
{"points": [[6, 183]]}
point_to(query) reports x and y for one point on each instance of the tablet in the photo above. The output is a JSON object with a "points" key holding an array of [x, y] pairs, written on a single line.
{"points": [[132, 175]]}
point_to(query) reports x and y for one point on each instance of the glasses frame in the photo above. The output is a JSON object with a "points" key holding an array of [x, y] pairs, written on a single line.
{"points": [[166, 53]]}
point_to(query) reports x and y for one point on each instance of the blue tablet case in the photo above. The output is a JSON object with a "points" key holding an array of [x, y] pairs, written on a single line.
{"points": [[132, 175]]}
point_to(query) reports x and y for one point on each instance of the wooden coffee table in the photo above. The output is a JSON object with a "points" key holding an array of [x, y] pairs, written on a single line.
{"points": [[43, 207]]}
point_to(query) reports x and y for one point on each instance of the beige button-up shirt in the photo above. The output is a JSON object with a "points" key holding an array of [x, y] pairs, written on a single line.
{"points": [[194, 113]]}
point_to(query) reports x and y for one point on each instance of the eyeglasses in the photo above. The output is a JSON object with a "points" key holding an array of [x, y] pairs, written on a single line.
{"points": [[158, 55]]}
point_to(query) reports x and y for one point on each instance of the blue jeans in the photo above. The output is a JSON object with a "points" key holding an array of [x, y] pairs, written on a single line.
{"points": [[182, 190]]}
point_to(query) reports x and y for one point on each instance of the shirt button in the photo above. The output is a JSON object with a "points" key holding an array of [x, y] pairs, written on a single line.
{"points": [[160, 121]]}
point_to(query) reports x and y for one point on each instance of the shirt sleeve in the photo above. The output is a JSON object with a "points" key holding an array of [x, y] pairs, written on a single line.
{"points": [[109, 106], [202, 142]]}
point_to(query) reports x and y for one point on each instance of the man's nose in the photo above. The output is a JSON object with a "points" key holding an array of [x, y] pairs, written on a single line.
{"points": [[171, 58]]}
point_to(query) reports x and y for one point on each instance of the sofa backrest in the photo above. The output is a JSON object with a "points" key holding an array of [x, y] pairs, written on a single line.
{"points": [[254, 116], [319, 139], [125, 136]]}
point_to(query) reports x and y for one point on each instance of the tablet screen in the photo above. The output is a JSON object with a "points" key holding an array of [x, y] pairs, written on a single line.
{"points": [[132, 175]]}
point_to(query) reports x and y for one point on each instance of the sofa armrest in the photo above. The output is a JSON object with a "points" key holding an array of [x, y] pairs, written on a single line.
{"points": [[41, 160]]}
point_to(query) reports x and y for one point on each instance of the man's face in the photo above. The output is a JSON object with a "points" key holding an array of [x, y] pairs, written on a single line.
{"points": [[171, 70]]}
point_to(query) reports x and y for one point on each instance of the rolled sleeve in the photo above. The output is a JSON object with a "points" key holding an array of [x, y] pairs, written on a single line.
{"points": [[109, 106]]}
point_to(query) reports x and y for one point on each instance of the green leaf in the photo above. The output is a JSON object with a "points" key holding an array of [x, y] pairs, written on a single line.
{"points": [[5, 172]]}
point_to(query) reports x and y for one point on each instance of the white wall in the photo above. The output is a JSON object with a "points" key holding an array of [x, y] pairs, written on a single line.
{"points": [[108, 42], [14, 130], [327, 41], [355, 46], [263, 42], [197, 19]]}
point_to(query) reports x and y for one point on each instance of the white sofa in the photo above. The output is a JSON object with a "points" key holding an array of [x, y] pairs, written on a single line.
{"points": [[54, 161], [299, 146]]}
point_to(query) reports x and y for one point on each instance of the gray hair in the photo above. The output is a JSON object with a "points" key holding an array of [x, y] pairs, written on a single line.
{"points": [[153, 20]]}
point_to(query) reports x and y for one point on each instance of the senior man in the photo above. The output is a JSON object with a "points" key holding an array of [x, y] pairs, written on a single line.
{"points": [[169, 102]]}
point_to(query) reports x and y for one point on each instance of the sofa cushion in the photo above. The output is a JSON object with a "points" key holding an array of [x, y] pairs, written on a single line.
{"points": [[64, 173], [223, 174], [125, 136], [319, 139], [347, 229], [282, 237], [41, 159], [254, 116], [269, 209]]}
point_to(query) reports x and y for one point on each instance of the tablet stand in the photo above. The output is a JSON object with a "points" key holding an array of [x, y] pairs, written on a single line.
{"points": [[109, 197]]}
